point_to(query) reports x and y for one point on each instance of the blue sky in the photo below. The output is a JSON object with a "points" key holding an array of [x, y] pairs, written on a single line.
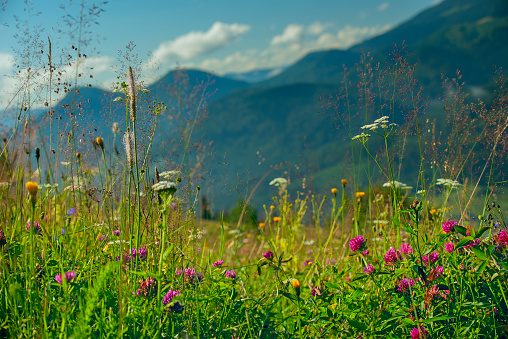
{"points": [[216, 35]]}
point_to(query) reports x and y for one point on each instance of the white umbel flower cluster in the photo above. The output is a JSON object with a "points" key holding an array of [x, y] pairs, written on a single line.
{"points": [[448, 182], [362, 137], [168, 175], [278, 182], [381, 122], [164, 186], [397, 184]]}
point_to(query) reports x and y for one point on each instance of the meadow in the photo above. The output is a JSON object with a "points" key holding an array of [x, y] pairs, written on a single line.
{"points": [[105, 244]]}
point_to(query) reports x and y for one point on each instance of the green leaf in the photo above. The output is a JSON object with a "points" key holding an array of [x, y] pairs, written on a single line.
{"points": [[461, 229], [482, 267], [479, 253], [290, 296], [408, 229], [360, 276], [440, 318], [481, 231], [330, 285], [357, 324], [464, 241]]}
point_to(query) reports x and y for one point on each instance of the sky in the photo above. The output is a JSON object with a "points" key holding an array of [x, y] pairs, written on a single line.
{"points": [[155, 36]]}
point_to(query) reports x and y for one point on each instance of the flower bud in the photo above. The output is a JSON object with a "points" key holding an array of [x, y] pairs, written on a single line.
{"points": [[296, 286]]}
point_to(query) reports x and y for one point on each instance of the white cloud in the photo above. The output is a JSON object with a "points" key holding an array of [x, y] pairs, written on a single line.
{"points": [[349, 36], [383, 6], [317, 28], [292, 33], [194, 44], [282, 54]]}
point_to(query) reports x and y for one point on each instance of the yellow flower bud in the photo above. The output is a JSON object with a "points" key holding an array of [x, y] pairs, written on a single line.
{"points": [[100, 142], [261, 224], [272, 207], [360, 194], [32, 187], [296, 286], [276, 219], [344, 182], [334, 191]]}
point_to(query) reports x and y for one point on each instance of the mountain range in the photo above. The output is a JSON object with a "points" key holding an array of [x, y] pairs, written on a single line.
{"points": [[272, 116]]}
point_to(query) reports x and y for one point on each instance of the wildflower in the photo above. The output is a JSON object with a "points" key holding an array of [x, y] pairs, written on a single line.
{"points": [[405, 283], [314, 292], [419, 333], [308, 262], [168, 187], [230, 274], [268, 255], [406, 248], [503, 237], [276, 219], [261, 224], [369, 269], [279, 182], [334, 191], [63, 231], [116, 232], [473, 243], [170, 175], [296, 286], [101, 237], [32, 188], [366, 252], [143, 253], [360, 194], [65, 163], [450, 247], [392, 256], [100, 142], [433, 210], [356, 243], [170, 296], [3, 240], [190, 276], [115, 129], [430, 258], [68, 277], [147, 287], [37, 227], [448, 183], [218, 263], [344, 182], [71, 211], [398, 185], [361, 137], [435, 273], [449, 226]]}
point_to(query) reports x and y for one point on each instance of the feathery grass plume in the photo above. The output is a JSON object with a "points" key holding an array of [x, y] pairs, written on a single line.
{"points": [[132, 94], [128, 142]]}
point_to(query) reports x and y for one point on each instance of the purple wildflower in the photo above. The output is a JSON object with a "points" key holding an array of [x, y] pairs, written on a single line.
{"points": [[503, 237], [449, 226], [356, 243], [116, 232], [268, 255], [218, 263], [37, 227], [63, 231], [169, 297], [313, 292], [366, 252], [101, 237], [190, 276], [419, 334], [406, 248], [143, 253], [369, 269], [450, 247], [405, 283], [307, 262], [178, 272], [392, 256], [71, 211], [68, 277], [473, 243], [231, 274], [430, 258]]}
